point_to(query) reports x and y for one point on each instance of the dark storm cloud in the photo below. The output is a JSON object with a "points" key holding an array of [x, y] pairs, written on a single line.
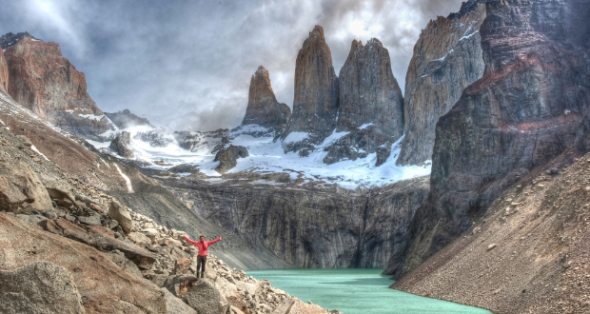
{"points": [[187, 64]]}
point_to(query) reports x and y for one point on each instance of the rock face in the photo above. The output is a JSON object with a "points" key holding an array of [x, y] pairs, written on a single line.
{"points": [[526, 110], [313, 227], [447, 58], [371, 103], [39, 288], [3, 72], [45, 82], [315, 106], [263, 107], [124, 119], [228, 157], [120, 145]]}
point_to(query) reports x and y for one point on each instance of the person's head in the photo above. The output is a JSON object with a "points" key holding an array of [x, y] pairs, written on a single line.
{"points": [[202, 238]]}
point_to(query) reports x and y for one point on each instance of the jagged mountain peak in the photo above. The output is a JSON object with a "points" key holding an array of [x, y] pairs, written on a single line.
{"points": [[10, 39], [317, 32], [263, 108]]}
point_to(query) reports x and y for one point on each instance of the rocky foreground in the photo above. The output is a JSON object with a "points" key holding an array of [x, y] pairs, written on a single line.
{"points": [[66, 247]]}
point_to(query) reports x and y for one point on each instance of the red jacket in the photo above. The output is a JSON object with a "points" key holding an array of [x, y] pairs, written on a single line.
{"points": [[203, 246]]}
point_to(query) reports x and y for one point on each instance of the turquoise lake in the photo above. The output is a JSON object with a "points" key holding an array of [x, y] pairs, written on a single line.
{"points": [[356, 291]]}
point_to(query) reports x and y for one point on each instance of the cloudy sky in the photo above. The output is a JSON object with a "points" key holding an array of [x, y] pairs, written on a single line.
{"points": [[187, 64]]}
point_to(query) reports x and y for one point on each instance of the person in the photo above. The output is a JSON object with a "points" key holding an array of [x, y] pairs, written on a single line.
{"points": [[203, 246]]}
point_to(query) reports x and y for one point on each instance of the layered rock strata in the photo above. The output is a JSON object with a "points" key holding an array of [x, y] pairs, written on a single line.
{"points": [[370, 104], [528, 108], [263, 108], [315, 106], [447, 58], [45, 82], [309, 226]]}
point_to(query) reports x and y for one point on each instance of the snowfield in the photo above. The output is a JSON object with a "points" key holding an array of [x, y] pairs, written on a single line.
{"points": [[267, 156]]}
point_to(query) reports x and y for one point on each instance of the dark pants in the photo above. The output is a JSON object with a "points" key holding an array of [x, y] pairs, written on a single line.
{"points": [[201, 264]]}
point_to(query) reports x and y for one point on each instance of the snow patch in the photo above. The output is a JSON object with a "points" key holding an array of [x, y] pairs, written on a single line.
{"points": [[38, 152], [468, 36], [295, 137], [366, 125], [126, 178]]}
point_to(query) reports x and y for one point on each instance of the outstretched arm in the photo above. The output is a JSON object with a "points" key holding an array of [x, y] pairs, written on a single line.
{"points": [[190, 241], [215, 241]]}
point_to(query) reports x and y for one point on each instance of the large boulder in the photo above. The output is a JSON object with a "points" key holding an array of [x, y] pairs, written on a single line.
{"points": [[120, 145], [204, 297], [121, 215], [175, 305], [228, 157], [263, 108], [59, 189], [39, 288], [21, 191]]}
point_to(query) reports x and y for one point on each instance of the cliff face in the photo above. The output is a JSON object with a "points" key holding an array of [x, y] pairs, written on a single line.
{"points": [[3, 72], [525, 111], [263, 107], [447, 58], [315, 106], [370, 103], [312, 227], [45, 82]]}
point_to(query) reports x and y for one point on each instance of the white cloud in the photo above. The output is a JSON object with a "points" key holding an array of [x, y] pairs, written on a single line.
{"points": [[187, 64]]}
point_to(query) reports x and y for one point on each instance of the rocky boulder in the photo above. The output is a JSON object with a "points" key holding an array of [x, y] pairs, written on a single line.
{"points": [[228, 157], [447, 58], [39, 288], [175, 305], [315, 106], [120, 214], [21, 191], [263, 108], [120, 145], [371, 103], [45, 82], [204, 297]]}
